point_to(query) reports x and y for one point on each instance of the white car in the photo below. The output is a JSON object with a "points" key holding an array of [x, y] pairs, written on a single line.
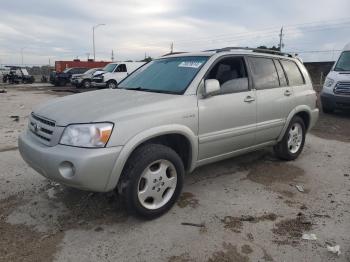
{"points": [[114, 73], [336, 89]]}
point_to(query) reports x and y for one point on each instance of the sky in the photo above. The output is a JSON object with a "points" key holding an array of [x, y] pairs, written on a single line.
{"points": [[45, 30]]}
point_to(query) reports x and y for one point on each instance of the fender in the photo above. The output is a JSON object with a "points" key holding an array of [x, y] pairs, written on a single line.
{"points": [[138, 139], [300, 108]]}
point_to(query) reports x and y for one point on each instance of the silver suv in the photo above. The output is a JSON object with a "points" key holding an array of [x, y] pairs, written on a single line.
{"points": [[167, 118]]}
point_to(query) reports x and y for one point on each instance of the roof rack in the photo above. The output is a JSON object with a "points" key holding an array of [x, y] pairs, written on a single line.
{"points": [[258, 50]]}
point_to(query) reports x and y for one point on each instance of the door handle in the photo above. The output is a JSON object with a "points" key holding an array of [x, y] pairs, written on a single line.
{"points": [[249, 99], [287, 93]]}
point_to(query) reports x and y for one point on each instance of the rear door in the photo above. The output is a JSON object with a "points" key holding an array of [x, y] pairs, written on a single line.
{"points": [[227, 120], [274, 97]]}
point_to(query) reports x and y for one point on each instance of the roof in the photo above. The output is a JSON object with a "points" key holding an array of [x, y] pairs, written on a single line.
{"points": [[347, 47], [234, 50]]}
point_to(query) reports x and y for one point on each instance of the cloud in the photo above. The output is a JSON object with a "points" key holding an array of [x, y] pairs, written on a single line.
{"points": [[63, 29]]}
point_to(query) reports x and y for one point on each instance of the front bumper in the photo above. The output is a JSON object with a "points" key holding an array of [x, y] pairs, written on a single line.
{"points": [[335, 101], [76, 81], [83, 168], [98, 84]]}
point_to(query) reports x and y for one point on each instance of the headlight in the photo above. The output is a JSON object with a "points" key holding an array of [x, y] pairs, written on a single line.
{"points": [[329, 82], [87, 135]]}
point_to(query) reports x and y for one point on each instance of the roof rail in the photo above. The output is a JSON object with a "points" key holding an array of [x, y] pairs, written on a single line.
{"points": [[258, 50]]}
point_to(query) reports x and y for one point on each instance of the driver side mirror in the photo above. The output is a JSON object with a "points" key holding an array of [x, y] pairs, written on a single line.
{"points": [[211, 87]]}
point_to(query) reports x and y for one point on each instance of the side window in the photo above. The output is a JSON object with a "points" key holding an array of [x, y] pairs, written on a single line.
{"points": [[264, 73], [121, 68], [295, 78], [232, 75], [280, 72]]}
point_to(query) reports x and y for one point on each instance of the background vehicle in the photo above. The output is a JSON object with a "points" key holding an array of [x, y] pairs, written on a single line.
{"points": [[171, 116], [16, 75], [114, 73], [61, 79], [84, 80], [336, 89]]}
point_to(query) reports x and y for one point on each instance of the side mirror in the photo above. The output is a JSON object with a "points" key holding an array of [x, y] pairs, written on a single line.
{"points": [[211, 87]]}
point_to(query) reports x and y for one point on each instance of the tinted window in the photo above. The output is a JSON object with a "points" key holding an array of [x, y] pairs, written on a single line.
{"points": [[264, 73], [343, 63], [280, 72], [121, 68], [166, 75], [231, 74], [293, 73]]}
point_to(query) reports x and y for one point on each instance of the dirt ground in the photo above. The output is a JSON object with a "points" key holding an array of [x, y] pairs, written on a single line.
{"points": [[242, 209]]}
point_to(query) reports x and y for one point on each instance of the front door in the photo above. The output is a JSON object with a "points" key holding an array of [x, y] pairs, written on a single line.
{"points": [[227, 120]]}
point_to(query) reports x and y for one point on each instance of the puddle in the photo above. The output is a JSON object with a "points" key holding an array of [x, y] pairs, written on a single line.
{"points": [[246, 249], [235, 223], [21, 242], [187, 199], [230, 253], [291, 229]]}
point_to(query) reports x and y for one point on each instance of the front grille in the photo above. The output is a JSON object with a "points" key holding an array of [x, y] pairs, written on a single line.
{"points": [[342, 88], [42, 128]]}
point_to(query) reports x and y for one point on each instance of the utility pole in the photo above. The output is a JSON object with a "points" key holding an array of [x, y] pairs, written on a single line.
{"points": [[112, 57], [171, 47], [93, 38], [88, 56], [281, 40], [22, 54]]}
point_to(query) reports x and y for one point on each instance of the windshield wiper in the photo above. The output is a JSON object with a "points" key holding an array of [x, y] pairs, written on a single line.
{"points": [[152, 90]]}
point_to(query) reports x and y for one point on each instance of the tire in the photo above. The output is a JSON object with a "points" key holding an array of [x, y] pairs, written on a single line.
{"points": [[327, 110], [111, 84], [142, 184], [86, 84], [289, 148]]}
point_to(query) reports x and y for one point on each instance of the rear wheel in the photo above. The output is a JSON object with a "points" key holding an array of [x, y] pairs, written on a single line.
{"points": [[292, 143], [153, 179]]}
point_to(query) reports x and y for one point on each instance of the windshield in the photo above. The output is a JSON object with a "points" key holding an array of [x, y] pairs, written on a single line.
{"points": [[109, 68], [90, 71], [166, 75], [343, 63]]}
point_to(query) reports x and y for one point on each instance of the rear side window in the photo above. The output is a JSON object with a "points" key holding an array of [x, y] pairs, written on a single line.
{"points": [[264, 73], [295, 78], [280, 72]]}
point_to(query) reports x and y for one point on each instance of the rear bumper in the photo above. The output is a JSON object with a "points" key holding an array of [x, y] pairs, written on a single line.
{"points": [[335, 101], [82, 168]]}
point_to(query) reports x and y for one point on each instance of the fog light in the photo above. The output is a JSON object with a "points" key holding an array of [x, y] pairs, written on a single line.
{"points": [[66, 169]]}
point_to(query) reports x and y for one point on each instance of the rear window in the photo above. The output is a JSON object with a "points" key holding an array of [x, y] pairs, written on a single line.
{"points": [[264, 73], [294, 75]]}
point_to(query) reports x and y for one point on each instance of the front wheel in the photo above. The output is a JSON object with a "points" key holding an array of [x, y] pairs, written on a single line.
{"points": [[111, 84], [292, 143], [153, 179], [86, 84]]}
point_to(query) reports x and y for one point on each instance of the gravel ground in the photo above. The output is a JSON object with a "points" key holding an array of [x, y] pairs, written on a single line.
{"points": [[241, 209]]}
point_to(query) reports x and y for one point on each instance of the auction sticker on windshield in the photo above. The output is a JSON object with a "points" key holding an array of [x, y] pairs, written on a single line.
{"points": [[191, 64]]}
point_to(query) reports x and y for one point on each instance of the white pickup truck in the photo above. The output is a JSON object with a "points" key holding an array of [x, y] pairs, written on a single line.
{"points": [[113, 73]]}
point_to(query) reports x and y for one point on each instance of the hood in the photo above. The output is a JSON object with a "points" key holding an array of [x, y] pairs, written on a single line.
{"points": [[77, 75], [102, 105], [339, 76]]}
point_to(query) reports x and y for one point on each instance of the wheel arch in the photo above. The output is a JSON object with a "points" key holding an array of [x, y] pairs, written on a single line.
{"points": [[156, 135], [304, 112]]}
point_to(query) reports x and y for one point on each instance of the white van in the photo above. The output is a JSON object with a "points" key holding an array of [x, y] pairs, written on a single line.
{"points": [[336, 89], [113, 73]]}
